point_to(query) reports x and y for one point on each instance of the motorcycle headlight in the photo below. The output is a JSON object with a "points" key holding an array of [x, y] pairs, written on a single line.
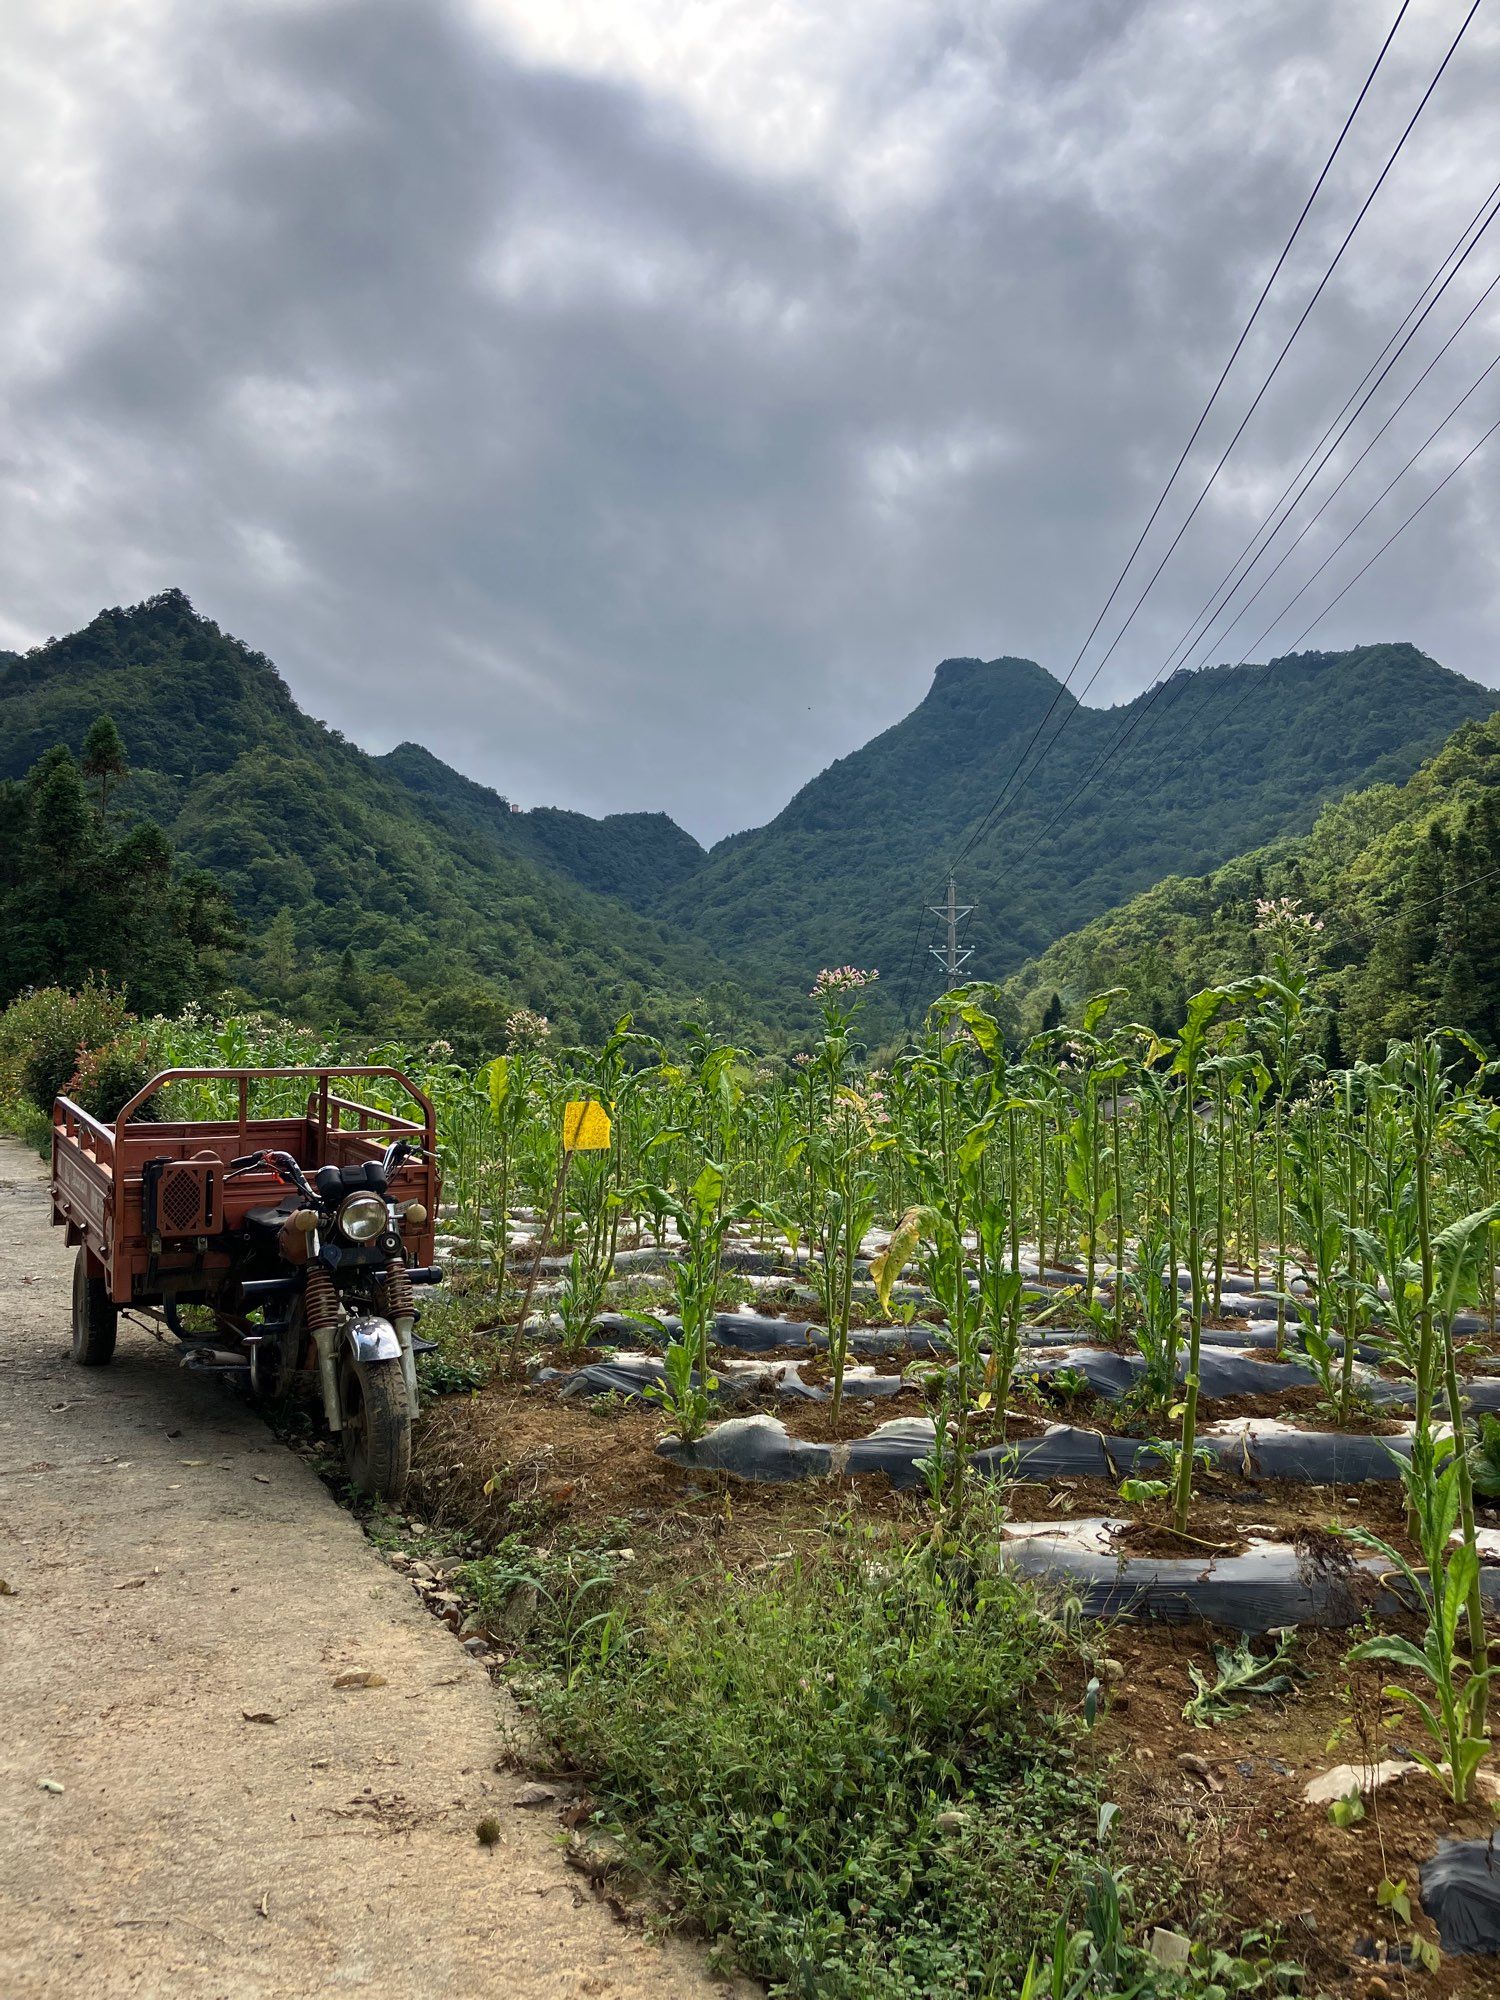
{"points": [[362, 1218]]}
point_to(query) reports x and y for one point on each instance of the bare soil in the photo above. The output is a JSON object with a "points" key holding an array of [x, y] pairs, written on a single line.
{"points": [[1214, 1819]]}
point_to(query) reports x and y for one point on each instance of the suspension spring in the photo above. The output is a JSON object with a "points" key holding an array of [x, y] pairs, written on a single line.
{"points": [[399, 1300], [320, 1300]]}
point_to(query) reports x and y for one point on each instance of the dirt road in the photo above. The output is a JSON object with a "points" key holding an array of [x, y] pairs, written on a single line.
{"points": [[174, 1569]]}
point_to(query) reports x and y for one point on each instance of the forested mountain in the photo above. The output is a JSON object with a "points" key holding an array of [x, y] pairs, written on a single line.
{"points": [[1401, 887], [636, 856], [1223, 760], [362, 900], [394, 892]]}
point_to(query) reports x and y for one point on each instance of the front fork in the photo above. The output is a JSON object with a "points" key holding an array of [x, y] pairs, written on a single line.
{"points": [[325, 1322], [321, 1307], [401, 1310]]}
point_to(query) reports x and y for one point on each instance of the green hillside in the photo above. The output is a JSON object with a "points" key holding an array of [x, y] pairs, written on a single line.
{"points": [[635, 856], [1404, 879], [393, 891], [361, 901], [1226, 759]]}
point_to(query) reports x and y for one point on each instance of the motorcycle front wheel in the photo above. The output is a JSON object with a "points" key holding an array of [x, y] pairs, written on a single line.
{"points": [[376, 1437]]}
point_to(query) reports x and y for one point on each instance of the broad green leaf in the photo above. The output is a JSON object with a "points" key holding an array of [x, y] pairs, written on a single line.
{"points": [[985, 1029], [1398, 1652], [708, 1189], [1099, 1006], [971, 1152]]}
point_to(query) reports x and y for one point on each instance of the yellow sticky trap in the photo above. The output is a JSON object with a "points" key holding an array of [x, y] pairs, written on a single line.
{"points": [[585, 1127]]}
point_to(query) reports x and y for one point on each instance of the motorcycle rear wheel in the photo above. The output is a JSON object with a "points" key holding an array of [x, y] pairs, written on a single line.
{"points": [[376, 1437], [95, 1317]]}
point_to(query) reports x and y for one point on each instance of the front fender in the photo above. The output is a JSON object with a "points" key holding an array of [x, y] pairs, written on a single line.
{"points": [[372, 1339]]}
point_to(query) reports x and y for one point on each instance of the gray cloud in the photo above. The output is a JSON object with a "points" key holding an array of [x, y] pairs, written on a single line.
{"points": [[636, 420]]}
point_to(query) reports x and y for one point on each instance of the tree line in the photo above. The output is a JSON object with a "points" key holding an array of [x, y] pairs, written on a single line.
{"points": [[81, 899]]}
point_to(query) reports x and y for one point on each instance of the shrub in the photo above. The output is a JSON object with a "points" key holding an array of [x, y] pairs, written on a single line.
{"points": [[851, 1768], [108, 1077], [43, 1034]]}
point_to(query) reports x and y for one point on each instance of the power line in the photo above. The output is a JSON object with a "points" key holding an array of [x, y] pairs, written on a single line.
{"points": [[1364, 208], [1334, 492], [1142, 709], [1350, 533], [1182, 457], [1229, 583], [1234, 354], [1172, 683], [911, 960], [1162, 778], [1432, 902], [1125, 734]]}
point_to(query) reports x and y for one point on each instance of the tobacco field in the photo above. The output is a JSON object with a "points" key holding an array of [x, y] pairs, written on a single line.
{"points": [[987, 1519]]}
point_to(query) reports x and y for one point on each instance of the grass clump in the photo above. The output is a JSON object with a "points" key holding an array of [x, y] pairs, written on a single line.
{"points": [[854, 1767], [460, 1317], [545, 1605]]}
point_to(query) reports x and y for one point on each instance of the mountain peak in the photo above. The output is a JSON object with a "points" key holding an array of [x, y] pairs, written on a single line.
{"points": [[1230, 757], [961, 672]]}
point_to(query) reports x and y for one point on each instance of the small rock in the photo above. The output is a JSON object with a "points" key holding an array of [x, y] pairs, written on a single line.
{"points": [[476, 1646], [534, 1795], [951, 1822], [1170, 1947], [423, 1572], [1345, 1780], [1378, 1988], [595, 1854], [1112, 1670]]}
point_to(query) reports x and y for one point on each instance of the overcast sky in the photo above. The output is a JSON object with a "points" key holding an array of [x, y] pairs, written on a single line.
{"points": [[633, 400]]}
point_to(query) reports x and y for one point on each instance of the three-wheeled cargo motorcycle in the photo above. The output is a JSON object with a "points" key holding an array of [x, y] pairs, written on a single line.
{"points": [[302, 1238]]}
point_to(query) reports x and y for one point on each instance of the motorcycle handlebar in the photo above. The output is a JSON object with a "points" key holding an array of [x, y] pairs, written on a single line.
{"points": [[284, 1167]]}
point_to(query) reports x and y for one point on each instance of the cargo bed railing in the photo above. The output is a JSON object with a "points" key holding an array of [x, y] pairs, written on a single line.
{"points": [[76, 1120], [322, 1098]]}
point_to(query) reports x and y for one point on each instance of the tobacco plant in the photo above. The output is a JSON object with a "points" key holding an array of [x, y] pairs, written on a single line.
{"points": [[1453, 1710], [703, 1217]]}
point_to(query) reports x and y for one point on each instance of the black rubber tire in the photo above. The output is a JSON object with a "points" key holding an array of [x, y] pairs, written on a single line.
{"points": [[96, 1319], [376, 1438]]}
